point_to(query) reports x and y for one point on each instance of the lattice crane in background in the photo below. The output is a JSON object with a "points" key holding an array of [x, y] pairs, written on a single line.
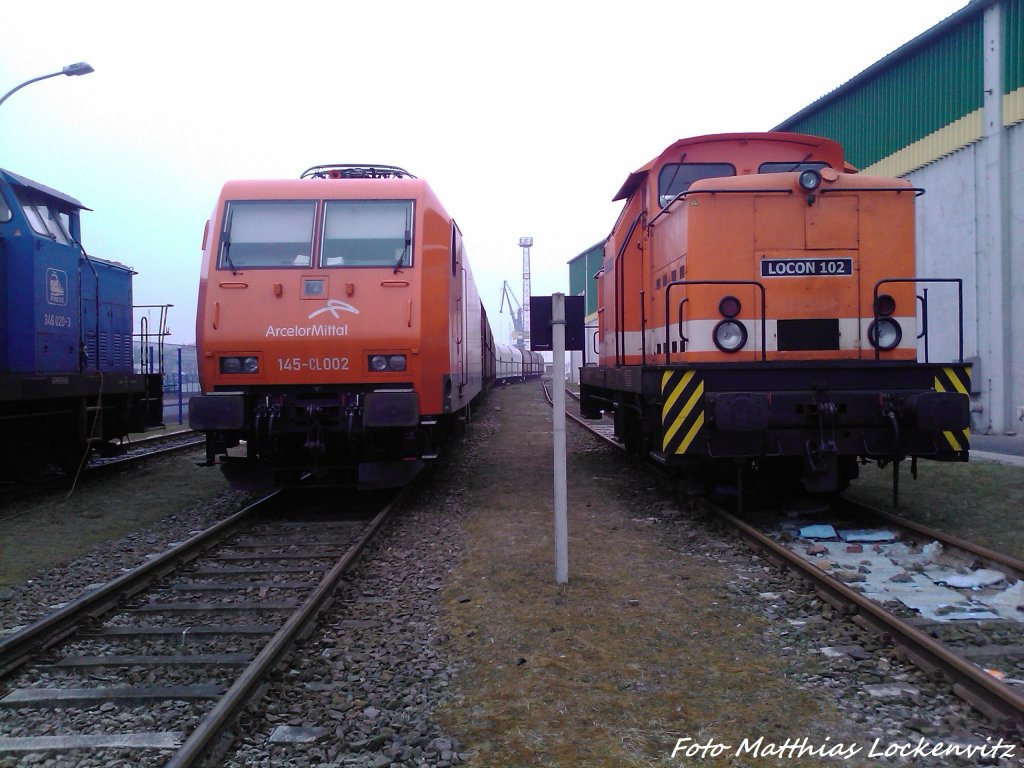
{"points": [[507, 296]]}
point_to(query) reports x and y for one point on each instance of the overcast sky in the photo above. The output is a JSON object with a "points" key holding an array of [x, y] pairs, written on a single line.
{"points": [[524, 117]]}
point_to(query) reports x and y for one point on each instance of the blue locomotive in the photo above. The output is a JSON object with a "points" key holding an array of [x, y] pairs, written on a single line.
{"points": [[68, 382]]}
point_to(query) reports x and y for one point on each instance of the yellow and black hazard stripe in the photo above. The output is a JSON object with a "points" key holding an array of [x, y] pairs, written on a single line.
{"points": [[951, 379], [682, 412]]}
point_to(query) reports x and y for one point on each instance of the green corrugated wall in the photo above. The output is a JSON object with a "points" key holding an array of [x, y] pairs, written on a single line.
{"points": [[581, 275], [916, 96], [1013, 45], [924, 104]]}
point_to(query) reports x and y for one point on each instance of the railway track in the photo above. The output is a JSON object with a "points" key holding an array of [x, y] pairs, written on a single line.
{"points": [[147, 448], [968, 651], [134, 452], [156, 665]]}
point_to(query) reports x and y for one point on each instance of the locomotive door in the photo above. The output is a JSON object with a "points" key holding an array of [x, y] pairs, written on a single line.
{"points": [[628, 271], [57, 288], [459, 329]]}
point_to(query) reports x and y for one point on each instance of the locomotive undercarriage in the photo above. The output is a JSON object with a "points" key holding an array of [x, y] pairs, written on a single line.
{"points": [[60, 420], [810, 424], [357, 437]]}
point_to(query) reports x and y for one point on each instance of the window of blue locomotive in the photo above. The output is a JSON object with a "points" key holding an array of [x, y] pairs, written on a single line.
{"points": [[266, 233], [367, 233], [676, 178], [46, 222], [791, 167], [6, 214], [46, 219]]}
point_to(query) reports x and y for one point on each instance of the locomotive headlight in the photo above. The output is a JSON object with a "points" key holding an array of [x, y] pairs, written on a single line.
{"points": [[809, 180], [381, 363], [239, 365], [885, 333], [230, 365], [730, 335]]}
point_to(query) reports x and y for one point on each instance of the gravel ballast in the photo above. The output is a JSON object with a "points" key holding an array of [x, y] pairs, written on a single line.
{"points": [[420, 661]]}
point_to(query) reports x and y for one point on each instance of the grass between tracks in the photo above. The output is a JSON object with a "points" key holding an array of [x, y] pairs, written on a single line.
{"points": [[643, 645], [42, 532], [980, 501]]}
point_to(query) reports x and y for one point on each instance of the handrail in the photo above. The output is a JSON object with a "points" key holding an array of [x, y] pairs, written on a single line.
{"points": [[620, 298], [760, 287], [918, 191], [144, 335], [960, 306]]}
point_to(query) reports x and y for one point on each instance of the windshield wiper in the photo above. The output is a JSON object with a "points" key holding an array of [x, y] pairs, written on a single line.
{"points": [[227, 256], [408, 242], [401, 257], [797, 165]]}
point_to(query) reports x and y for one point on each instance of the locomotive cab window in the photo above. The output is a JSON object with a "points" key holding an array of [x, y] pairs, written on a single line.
{"points": [[791, 167], [44, 219], [267, 234], [367, 233], [676, 178]]}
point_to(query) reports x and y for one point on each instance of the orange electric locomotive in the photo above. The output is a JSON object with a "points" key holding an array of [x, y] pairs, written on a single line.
{"points": [[339, 331], [759, 311]]}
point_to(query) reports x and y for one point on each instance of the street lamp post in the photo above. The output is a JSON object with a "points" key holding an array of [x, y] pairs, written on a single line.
{"points": [[81, 68]]}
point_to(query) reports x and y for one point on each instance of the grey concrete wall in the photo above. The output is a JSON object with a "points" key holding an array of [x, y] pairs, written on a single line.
{"points": [[960, 235]]}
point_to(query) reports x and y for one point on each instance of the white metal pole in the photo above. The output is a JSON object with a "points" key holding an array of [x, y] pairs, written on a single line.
{"points": [[558, 401], [525, 243]]}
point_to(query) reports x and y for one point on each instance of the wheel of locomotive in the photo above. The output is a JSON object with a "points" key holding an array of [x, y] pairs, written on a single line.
{"points": [[26, 457], [73, 457], [589, 409], [849, 470], [629, 428]]}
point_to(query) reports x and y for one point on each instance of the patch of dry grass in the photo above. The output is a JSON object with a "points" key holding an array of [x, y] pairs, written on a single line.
{"points": [[40, 531], [641, 647]]}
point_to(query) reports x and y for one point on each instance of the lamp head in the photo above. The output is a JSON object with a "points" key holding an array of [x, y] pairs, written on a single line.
{"points": [[80, 68]]}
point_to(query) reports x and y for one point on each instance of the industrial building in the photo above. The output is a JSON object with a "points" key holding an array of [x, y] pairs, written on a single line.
{"points": [[945, 112]]}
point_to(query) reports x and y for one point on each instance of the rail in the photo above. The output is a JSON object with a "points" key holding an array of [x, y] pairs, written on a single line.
{"points": [[147, 360], [206, 735], [984, 692], [981, 690], [15, 648]]}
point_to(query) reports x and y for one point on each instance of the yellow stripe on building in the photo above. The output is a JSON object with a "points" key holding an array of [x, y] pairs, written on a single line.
{"points": [[934, 146], [1013, 107]]}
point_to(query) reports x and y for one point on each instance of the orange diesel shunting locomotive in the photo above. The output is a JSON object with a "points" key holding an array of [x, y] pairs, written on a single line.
{"points": [[339, 327], [758, 306]]}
